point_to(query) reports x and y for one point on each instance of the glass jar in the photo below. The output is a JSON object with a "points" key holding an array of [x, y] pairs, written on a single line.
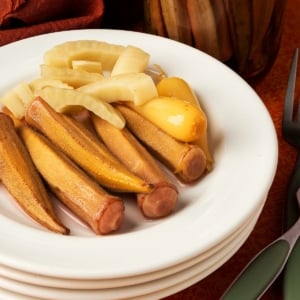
{"points": [[244, 34]]}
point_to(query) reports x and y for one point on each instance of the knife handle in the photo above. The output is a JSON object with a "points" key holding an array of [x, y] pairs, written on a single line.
{"points": [[291, 286], [260, 273]]}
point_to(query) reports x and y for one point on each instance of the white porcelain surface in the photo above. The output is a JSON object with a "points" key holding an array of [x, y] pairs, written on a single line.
{"points": [[39, 279], [244, 145], [151, 290]]}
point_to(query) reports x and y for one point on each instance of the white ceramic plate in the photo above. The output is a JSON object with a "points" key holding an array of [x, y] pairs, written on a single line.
{"points": [[202, 259], [164, 285], [244, 145]]}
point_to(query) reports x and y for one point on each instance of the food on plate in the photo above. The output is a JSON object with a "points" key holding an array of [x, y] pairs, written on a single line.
{"points": [[64, 100], [162, 200], [82, 195], [63, 54], [19, 176], [131, 60], [88, 66], [187, 161], [111, 124], [17, 122], [177, 87], [73, 77], [136, 87], [179, 118], [83, 148], [40, 83], [61, 97], [17, 99], [156, 72]]}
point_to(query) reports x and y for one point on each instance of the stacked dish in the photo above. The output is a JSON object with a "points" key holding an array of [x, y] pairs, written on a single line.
{"points": [[147, 259]]}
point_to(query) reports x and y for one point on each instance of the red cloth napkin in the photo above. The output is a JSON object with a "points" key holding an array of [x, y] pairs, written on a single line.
{"points": [[24, 18]]}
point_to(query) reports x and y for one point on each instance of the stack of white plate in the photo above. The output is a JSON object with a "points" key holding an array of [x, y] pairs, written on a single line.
{"points": [[147, 259]]}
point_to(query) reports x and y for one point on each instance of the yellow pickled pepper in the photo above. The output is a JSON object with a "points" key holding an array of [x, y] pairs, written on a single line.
{"points": [[179, 118], [178, 88]]}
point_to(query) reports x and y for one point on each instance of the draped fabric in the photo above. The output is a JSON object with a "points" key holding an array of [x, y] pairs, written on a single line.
{"points": [[24, 18]]}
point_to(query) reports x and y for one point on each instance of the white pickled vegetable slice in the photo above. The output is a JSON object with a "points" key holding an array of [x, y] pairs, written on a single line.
{"points": [[131, 60], [63, 100], [136, 87], [63, 54]]}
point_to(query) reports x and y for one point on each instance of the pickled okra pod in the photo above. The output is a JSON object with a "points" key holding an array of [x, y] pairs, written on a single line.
{"points": [[81, 146], [19, 175], [187, 161], [161, 201], [102, 211]]}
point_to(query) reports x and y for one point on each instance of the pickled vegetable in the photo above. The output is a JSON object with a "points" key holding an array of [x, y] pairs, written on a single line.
{"points": [[177, 117], [131, 60], [63, 54], [135, 87], [178, 87], [62, 99]]}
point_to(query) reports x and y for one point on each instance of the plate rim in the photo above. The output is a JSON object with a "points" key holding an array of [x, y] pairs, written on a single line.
{"points": [[155, 263]]}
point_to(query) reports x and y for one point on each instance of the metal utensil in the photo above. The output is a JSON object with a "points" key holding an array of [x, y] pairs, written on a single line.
{"points": [[291, 133], [291, 287], [265, 267]]}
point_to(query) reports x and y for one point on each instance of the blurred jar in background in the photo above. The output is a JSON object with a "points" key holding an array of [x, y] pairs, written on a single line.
{"points": [[244, 34]]}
